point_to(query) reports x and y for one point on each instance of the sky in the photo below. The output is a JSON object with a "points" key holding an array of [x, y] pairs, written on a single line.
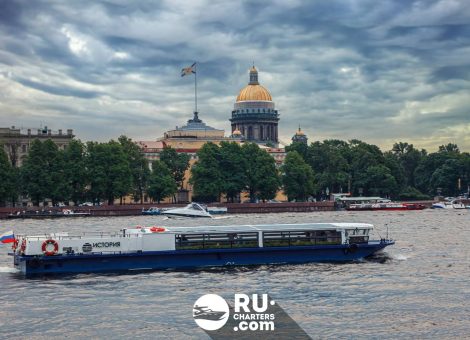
{"points": [[379, 71]]}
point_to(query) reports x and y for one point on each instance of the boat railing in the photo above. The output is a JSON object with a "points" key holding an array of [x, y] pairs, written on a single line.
{"points": [[80, 236]]}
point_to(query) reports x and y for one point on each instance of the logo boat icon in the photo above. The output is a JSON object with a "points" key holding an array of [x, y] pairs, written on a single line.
{"points": [[203, 312]]}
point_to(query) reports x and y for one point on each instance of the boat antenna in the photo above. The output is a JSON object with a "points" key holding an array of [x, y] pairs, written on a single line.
{"points": [[378, 232]]}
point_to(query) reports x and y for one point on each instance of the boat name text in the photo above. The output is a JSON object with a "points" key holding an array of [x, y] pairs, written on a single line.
{"points": [[106, 244]]}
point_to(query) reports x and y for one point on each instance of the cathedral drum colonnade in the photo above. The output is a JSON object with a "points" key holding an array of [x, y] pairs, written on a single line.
{"points": [[254, 116]]}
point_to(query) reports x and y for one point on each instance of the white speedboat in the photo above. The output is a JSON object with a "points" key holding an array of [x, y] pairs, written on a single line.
{"points": [[191, 210], [448, 205]]}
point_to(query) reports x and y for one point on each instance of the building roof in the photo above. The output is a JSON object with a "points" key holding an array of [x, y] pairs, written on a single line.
{"points": [[254, 91]]}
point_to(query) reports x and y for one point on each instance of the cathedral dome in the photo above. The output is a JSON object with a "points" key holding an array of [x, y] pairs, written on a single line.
{"points": [[254, 91], [300, 132]]}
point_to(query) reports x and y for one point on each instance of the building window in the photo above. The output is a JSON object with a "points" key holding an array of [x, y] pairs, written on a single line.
{"points": [[23, 148]]}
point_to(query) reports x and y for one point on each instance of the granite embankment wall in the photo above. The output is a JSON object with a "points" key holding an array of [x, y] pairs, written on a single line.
{"points": [[232, 208], [136, 209]]}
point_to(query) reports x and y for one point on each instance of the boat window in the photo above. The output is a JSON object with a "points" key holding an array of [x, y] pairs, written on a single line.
{"points": [[357, 231], [358, 239], [301, 238], [216, 240]]}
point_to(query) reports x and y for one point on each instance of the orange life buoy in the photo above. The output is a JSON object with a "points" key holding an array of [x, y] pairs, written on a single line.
{"points": [[157, 229], [15, 244], [23, 246], [46, 246]]}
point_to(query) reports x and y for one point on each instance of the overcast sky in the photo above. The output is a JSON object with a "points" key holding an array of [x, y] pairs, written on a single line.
{"points": [[380, 71]]}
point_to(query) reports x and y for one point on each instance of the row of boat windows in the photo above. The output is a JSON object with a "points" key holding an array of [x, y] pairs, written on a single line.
{"points": [[250, 239]]}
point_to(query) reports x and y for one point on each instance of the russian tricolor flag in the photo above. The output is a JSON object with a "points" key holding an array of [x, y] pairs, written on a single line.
{"points": [[7, 237]]}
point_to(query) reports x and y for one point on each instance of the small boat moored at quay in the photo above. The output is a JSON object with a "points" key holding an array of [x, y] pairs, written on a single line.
{"points": [[385, 206], [49, 214], [164, 248], [191, 210], [448, 205], [152, 211]]}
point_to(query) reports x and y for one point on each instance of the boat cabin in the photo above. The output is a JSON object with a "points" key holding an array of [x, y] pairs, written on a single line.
{"points": [[154, 239]]}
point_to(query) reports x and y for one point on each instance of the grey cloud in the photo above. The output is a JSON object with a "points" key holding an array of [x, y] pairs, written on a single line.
{"points": [[339, 69]]}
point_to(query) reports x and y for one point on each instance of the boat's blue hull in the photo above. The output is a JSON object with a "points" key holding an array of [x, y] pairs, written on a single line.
{"points": [[192, 259]]}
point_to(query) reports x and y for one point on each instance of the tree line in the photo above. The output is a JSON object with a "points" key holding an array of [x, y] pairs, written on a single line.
{"points": [[99, 172], [403, 173], [331, 166], [91, 171]]}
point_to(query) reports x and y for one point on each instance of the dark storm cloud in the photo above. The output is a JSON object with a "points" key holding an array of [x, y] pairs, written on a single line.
{"points": [[372, 70], [58, 90]]}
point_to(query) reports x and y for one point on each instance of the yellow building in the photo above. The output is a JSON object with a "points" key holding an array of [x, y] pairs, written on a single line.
{"points": [[254, 119]]}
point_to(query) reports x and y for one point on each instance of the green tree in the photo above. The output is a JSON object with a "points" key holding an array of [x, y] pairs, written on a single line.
{"points": [[447, 177], [8, 188], [233, 167], [161, 182], [330, 164], [301, 148], [380, 181], [75, 170], [108, 171], [297, 177], [206, 177], [57, 186], [138, 165], [449, 148], [33, 173], [262, 179], [441, 171], [42, 173], [178, 163], [409, 159]]}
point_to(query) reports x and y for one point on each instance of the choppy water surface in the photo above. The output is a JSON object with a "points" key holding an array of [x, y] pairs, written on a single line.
{"points": [[419, 288]]}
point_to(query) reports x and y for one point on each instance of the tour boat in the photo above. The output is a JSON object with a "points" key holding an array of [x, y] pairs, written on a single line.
{"points": [[385, 206], [191, 210], [152, 211], [162, 248]]}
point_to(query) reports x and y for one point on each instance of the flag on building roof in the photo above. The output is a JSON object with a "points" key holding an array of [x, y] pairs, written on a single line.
{"points": [[188, 70], [7, 237]]}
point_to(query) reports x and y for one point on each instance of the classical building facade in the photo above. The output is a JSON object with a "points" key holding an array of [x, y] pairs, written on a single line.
{"points": [[16, 142], [254, 115], [254, 119]]}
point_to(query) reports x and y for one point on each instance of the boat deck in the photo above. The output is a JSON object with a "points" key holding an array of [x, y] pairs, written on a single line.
{"points": [[269, 227]]}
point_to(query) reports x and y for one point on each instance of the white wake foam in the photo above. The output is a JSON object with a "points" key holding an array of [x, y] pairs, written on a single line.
{"points": [[8, 270], [400, 257]]}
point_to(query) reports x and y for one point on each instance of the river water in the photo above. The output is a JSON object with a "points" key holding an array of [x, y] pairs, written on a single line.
{"points": [[419, 288]]}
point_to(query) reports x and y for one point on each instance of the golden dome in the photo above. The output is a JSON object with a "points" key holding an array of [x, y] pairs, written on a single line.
{"points": [[236, 132], [300, 132], [254, 92]]}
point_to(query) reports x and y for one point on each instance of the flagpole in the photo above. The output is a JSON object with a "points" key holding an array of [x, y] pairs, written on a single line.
{"points": [[195, 86]]}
